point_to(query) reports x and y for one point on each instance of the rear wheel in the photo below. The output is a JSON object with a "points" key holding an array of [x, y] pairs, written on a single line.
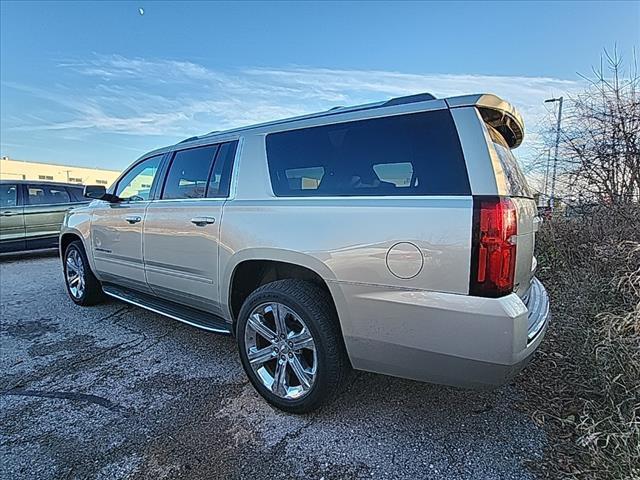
{"points": [[82, 285], [291, 346]]}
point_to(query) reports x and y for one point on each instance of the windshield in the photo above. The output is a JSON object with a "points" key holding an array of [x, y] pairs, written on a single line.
{"points": [[514, 178]]}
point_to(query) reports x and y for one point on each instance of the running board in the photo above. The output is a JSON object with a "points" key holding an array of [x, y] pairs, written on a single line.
{"points": [[182, 313]]}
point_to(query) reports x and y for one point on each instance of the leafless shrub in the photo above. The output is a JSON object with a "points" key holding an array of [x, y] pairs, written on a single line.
{"points": [[599, 156], [585, 383], [610, 424]]}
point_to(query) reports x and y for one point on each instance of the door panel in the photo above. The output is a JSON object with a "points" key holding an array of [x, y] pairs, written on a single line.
{"points": [[181, 230], [11, 219], [44, 221], [44, 209], [181, 251], [116, 228], [116, 237]]}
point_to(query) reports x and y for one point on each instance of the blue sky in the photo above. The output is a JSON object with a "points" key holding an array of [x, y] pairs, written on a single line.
{"points": [[98, 84]]}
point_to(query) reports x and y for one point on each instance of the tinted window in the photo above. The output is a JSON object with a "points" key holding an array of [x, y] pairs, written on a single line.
{"points": [[307, 178], [137, 182], [516, 182], [416, 154], [221, 175], [77, 194], [400, 174], [46, 195], [189, 173], [8, 195]]}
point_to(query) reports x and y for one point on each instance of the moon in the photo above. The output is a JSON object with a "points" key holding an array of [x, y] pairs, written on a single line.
{"points": [[141, 11]]}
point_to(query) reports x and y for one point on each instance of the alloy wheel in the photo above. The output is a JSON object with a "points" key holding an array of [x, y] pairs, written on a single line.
{"points": [[281, 350], [75, 274]]}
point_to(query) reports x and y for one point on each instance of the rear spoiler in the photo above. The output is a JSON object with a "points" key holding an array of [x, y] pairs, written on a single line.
{"points": [[498, 113]]}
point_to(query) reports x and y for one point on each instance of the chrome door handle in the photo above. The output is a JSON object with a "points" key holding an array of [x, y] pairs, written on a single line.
{"points": [[202, 221], [7, 214], [133, 219]]}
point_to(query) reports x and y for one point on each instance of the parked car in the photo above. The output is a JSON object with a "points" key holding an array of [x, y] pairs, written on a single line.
{"points": [[394, 237], [31, 212]]}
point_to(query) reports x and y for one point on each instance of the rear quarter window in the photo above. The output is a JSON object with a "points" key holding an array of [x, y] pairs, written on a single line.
{"points": [[514, 178], [414, 154]]}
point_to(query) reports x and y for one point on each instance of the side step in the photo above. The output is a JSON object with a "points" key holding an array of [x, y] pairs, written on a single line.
{"points": [[191, 316]]}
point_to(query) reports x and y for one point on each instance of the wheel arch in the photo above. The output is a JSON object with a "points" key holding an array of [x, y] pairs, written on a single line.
{"points": [[66, 238], [248, 270], [69, 235]]}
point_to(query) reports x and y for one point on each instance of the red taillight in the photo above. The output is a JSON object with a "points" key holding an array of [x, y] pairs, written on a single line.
{"points": [[493, 261]]}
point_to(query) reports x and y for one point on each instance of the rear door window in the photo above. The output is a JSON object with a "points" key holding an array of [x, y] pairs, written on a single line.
{"points": [[413, 154], [47, 195], [77, 194], [220, 179], [188, 174]]}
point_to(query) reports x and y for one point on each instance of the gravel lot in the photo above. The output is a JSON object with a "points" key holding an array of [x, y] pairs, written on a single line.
{"points": [[114, 391]]}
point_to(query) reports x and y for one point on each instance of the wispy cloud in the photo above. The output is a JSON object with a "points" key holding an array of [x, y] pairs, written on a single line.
{"points": [[158, 97]]}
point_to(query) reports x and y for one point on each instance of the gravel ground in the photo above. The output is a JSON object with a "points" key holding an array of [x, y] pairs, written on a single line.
{"points": [[114, 391]]}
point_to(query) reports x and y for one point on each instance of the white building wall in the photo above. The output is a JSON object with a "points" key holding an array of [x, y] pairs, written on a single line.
{"points": [[22, 170]]}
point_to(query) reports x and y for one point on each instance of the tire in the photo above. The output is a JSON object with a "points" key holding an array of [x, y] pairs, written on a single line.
{"points": [[86, 289], [302, 301]]}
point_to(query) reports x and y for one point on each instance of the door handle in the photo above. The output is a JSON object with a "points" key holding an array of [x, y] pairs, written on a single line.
{"points": [[203, 221], [7, 214], [133, 219]]}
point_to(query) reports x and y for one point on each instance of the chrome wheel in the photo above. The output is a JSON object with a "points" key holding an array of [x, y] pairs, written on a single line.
{"points": [[281, 350], [75, 274]]}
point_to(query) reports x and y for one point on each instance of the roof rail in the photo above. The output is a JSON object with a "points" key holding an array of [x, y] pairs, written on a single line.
{"points": [[190, 139], [418, 97]]}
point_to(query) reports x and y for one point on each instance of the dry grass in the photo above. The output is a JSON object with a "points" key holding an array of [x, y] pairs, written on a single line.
{"points": [[584, 385]]}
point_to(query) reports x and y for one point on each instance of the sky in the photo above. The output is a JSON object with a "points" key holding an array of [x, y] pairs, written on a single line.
{"points": [[99, 84]]}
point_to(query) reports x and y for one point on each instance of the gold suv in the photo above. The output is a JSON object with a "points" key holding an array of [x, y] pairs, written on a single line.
{"points": [[395, 237]]}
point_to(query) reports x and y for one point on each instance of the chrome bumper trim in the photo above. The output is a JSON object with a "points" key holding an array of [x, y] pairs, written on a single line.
{"points": [[537, 301]]}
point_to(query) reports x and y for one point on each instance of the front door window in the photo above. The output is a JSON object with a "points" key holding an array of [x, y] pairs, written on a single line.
{"points": [[135, 186]]}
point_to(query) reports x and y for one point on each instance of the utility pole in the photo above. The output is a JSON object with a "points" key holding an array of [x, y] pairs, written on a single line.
{"points": [[555, 156], [546, 178]]}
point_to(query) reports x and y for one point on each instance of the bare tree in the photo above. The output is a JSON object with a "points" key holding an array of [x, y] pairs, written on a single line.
{"points": [[600, 144]]}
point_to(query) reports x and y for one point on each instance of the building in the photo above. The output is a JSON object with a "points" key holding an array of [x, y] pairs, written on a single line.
{"points": [[11, 169]]}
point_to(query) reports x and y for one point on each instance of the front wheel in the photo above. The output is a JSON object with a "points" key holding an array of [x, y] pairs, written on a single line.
{"points": [[82, 285], [290, 345]]}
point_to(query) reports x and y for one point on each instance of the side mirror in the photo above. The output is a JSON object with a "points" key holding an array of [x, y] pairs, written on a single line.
{"points": [[94, 191], [98, 192]]}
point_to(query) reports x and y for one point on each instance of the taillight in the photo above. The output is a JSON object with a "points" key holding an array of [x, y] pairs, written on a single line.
{"points": [[493, 258]]}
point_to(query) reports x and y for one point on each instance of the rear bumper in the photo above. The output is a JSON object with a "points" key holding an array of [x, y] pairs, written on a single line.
{"points": [[439, 337]]}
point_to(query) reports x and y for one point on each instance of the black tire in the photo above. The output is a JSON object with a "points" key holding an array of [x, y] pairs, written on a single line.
{"points": [[92, 292], [314, 306]]}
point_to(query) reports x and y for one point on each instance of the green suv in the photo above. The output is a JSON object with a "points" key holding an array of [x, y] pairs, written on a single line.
{"points": [[31, 213]]}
